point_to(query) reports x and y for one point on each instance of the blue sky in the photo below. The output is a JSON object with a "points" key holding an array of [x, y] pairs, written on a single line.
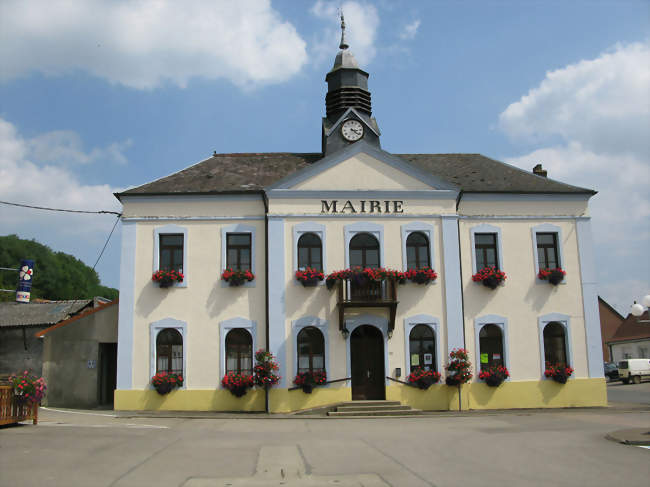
{"points": [[97, 96]]}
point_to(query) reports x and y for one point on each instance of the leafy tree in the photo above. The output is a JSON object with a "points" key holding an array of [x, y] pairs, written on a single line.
{"points": [[57, 275]]}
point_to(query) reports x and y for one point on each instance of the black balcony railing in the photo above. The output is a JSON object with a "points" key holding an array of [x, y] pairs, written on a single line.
{"points": [[360, 293]]}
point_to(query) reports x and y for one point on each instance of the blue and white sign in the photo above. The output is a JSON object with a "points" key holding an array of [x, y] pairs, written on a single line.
{"points": [[25, 277]]}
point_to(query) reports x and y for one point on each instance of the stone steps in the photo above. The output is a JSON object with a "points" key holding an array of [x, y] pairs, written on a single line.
{"points": [[362, 409]]}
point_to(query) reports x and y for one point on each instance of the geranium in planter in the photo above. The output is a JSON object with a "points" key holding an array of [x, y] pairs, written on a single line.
{"points": [[167, 278], [459, 369], [308, 380], [362, 277], [489, 277], [164, 382], [558, 372], [424, 275], [423, 378], [494, 376], [309, 277], [237, 384], [28, 389], [554, 276], [265, 368], [237, 277]]}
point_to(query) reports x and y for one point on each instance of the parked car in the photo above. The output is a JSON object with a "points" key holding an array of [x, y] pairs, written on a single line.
{"points": [[634, 369], [611, 371]]}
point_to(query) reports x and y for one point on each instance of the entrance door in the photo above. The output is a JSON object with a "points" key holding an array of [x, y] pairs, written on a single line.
{"points": [[367, 363], [107, 373]]}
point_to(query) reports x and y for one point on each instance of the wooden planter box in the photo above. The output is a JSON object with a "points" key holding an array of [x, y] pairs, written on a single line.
{"points": [[13, 412]]}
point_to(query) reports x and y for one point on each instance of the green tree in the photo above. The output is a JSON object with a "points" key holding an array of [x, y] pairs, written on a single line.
{"points": [[57, 275]]}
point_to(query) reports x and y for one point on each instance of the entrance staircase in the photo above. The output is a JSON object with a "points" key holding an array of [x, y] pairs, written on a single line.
{"points": [[361, 409]]}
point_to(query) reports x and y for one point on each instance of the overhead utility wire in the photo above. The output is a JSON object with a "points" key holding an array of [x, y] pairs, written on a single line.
{"points": [[59, 209], [107, 240]]}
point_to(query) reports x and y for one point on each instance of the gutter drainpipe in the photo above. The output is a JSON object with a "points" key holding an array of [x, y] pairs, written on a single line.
{"points": [[265, 200]]}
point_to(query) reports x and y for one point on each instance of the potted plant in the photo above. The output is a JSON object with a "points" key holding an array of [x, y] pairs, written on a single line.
{"points": [[164, 382], [265, 366], [494, 376], [309, 277], [166, 278], [237, 277], [558, 372], [237, 384], [489, 277], [459, 369], [27, 388], [308, 380], [423, 379], [362, 277], [554, 276], [424, 275]]}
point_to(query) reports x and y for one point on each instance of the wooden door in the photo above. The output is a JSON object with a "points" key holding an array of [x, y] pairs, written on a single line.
{"points": [[367, 363]]}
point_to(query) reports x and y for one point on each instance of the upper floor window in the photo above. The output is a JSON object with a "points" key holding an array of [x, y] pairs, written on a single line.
{"points": [[547, 251], [171, 252], [310, 252], [417, 251], [422, 350], [169, 351], [364, 251], [311, 350], [485, 247], [239, 352], [238, 254], [491, 346]]}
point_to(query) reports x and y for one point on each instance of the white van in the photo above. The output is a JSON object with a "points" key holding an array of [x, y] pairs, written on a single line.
{"points": [[634, 369]]}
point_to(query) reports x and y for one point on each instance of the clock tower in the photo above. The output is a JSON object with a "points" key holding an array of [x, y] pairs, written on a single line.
{"points": [[348, 108]]}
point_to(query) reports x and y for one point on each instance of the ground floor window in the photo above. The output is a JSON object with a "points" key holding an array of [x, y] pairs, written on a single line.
{"points": [[555, 344], [239, 351], [422, 348], [169, 351], [491, 346], [311, 350]]}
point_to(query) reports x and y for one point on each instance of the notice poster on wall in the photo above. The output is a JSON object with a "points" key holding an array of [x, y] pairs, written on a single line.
{"points": [[484, 358], [496, 356], [415, 359], [428, 358]]}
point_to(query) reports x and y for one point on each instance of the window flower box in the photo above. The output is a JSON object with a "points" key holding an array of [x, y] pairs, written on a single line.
{"points": [[308, 380], [423, 379], [494, 376], [362, 277], [459, 369], [423, 275], [237, 277], [309, 277], [558, 372], [167, 278], [237, 384], [489, 277], [553, 276], [164, 382]]}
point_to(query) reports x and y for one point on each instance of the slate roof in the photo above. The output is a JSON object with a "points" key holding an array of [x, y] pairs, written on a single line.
{"points": [[34, 314], [245, 173]]}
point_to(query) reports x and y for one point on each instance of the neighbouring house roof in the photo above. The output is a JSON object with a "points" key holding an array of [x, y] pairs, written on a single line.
{"points": [[631, 329], [83, 314], [40, 314], [609, 307], [246, 173]]}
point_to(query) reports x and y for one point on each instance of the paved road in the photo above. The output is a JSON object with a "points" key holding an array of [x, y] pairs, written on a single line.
{"points": [[629, 393], [564, 448]]}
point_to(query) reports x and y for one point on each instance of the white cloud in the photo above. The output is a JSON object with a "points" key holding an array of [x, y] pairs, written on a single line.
{"points": [[27, 180], [361, 22], [600, 111], [143, 44], [410, 30], [65, 147]]}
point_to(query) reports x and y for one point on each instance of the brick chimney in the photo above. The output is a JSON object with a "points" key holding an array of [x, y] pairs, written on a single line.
{"points": [[539, 170]]}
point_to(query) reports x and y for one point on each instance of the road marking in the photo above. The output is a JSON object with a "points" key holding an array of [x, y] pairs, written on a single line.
{"points": [[128, 426], [78, 412]]}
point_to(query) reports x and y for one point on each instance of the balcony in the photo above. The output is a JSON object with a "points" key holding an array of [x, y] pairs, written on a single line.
{"points": [[353, 293]]}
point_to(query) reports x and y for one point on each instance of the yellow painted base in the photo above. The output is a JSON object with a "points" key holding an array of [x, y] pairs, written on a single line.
{"points": [[439, 397]]}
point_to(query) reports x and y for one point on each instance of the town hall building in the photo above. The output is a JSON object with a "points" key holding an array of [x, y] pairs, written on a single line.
{"points": [[479, 238]]}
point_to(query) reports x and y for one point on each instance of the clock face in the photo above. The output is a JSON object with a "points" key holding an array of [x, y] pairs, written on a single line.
{"points": [[352, 130]]}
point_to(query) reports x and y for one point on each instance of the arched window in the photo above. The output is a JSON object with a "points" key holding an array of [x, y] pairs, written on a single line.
{"points": [[239, 352], [555, 344], [310, 252], [169, 351], [311, 350], [491, 347], [417, 251], [364, 251], [422, 348]]}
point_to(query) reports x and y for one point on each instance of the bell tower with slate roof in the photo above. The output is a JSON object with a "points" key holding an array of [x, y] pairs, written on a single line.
{"points": [[348, 106]]}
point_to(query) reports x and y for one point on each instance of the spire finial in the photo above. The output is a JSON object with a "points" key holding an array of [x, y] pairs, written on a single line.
{"points": [[343, 44]]}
